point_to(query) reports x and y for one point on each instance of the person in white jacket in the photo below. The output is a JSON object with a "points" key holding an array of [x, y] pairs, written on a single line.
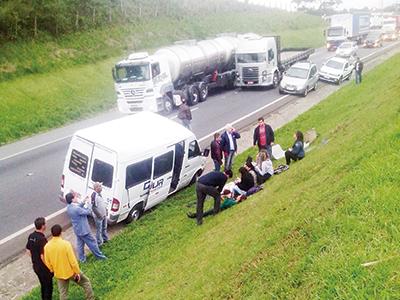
{"points": [[263, 167]]}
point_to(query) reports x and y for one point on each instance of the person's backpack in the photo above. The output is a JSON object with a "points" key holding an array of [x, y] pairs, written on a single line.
{"points": [[280, 169]]}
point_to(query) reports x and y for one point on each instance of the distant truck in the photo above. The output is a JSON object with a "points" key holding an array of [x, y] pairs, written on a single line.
{"points": [[260, 61], [146, 82], [390, 28], [344, 27]]}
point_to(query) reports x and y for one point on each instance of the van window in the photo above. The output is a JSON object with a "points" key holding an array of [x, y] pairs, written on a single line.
{"points": [[102, 172], [138, 173], [163, 164], [194, 149], [78, 163]]}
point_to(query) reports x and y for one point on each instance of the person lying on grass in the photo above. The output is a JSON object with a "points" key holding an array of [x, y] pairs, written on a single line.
{"points": [[227, 201]]}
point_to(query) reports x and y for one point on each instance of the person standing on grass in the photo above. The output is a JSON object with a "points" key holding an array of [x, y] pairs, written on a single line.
{"points": [[60, 259], [210, 184], [229, 145], [358, 68], [297, 151], [78, 214], [184, 114], [35, 248], [263, 136], [216, 152], [99, 214]]}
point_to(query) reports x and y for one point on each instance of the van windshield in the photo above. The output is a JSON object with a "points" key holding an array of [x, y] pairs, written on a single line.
{"points": [[102, 172], [132, 73], [251, 57]]}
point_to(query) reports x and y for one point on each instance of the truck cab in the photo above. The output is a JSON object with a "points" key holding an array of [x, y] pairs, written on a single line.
{"points": [[335, 36], [256, 61], [142, 83]]}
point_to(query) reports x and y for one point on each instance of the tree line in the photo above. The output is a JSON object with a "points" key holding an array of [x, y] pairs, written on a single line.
{"points": [[30, 18]]}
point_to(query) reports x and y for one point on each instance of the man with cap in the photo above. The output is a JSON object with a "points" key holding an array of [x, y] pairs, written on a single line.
{"points": [[99, 214], [78, 213]]}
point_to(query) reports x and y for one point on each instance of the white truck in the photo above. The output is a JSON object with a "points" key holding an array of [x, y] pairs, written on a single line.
{"points": [[345, 27], [389, 28], [146, 82], [260, 61]]}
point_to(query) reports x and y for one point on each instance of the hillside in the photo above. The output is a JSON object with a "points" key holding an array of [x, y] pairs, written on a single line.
{"points": [[305, 236], [68, 78]]}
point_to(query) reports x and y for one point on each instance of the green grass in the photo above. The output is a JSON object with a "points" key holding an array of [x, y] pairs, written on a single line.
{"points": [[304, 236], [81, 83]]}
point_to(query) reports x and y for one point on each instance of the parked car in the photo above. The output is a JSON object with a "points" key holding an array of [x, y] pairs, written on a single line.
{"points": [[337, 69], [300, 78], [373, 40], [347, 49]]}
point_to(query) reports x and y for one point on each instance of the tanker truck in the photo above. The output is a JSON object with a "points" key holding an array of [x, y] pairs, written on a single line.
{"points": [[260, 61], [146, 82]]}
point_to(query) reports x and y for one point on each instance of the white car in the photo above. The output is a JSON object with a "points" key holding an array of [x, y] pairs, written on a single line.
{"points": [[347, 49], [301, 78], [337, 69]]}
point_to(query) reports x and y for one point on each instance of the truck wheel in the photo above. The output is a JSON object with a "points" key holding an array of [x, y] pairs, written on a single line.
{"points": [[135, 213], [275, 80], [203, 89], [194, 95], [168, 106]]}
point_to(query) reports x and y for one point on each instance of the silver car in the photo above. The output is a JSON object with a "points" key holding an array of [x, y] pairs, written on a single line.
{"points": [[337, 69], [300, 78], [347, 49]]}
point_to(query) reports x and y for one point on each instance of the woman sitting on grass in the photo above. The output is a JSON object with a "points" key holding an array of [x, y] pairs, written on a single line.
{"points": [[297, 151], [264, 167], [243, 184]]}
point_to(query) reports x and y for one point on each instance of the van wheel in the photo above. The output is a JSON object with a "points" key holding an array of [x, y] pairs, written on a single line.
{"points": [[194, 95], [135, 213]]}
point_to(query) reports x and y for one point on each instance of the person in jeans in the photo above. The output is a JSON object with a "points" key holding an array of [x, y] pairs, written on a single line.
{"points": [[78, 213], [297, 151], [263, 136], [35, 248], [210, 184], [99, 214], [216, 152], [229, 145], [60, 259], [358, 68]]}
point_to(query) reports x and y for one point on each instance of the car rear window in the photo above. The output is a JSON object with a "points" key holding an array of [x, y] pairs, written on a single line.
{"points": [[102, 172], [78, 163]]}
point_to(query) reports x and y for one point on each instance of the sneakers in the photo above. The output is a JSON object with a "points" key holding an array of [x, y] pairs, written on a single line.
{"points": [[102, 257]]}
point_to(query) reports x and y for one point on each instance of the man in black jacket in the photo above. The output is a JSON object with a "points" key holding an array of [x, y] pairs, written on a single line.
{"points": [[229, 145], [210, 184], [263, 136], [358, 68], [216, 152]]}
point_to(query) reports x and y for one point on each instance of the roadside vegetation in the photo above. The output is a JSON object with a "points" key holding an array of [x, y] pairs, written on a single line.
{"points": [[305, 236], [49, 81]]}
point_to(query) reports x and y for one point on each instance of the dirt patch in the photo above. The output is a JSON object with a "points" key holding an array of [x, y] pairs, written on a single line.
{"points": [[7, 68]]}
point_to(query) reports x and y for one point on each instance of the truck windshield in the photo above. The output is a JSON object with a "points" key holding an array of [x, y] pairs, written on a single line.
{"points": [[335, 31], [334, 64], [297, 73], [132, 73], [246, 58]]}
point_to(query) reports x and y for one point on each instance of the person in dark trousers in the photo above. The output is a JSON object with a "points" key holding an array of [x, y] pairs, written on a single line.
{"points": [[297, 151], [216, 152], [359, 65], [184, 114], [35, 248], [263, 136], [210, 184], [229, 145]]}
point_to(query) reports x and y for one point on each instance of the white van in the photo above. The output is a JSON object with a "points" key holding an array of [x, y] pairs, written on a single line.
{"points": [[140, 159]]}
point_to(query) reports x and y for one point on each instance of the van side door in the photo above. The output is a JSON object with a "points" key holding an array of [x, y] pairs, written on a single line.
{"points": [[191, 161], [162, 177]]}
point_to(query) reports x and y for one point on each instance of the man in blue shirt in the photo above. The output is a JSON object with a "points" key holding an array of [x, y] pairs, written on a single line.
{"points": [[210, 184], [78, 214]]}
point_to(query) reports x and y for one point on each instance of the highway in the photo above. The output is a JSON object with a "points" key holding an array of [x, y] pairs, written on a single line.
{"points": [[31, 169]]}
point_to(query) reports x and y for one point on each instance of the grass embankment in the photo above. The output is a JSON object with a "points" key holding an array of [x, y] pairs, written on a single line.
{"points": [[305, 236], [76, 76]]}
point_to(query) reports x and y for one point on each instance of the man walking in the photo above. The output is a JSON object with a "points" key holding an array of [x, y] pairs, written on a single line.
{"points": [[216, 152], [60, 259], [359, 65], [229, 145], [210, 184], [99, 214], [263, 136], [35, 248], [78, 215], [184, 114]]}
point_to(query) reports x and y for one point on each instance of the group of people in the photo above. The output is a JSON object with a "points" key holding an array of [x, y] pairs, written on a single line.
{"points": [[253, 174], [56, 258]]}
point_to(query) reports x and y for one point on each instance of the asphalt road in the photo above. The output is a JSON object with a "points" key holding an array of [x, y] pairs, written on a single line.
{"points": [[30, 179]]}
